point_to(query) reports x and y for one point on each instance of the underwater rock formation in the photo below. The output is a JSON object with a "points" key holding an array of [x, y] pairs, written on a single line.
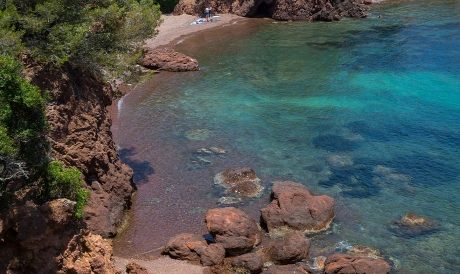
{"points": [[242, 181]]}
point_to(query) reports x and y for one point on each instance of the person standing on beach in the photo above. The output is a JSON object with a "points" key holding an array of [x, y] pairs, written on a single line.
{"points": [[207, 14]]}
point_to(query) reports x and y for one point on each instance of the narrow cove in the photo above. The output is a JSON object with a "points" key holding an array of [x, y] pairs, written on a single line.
{"points": [[289, 99]]}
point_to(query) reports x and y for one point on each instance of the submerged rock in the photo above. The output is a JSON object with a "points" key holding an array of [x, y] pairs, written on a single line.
{"points": [[412, 225], [348, 264], [294, 207], [229, 200], [233, 229], [240, 180], [364, 251]]}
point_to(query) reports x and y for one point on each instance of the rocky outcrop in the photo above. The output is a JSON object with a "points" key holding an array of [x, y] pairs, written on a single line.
{"points": [[291, 249], [233, 229], [242, 181], [411, 225], [87, 253], [250, 262], [348, 264], [294, 207], [81, 137], [288, 269], [134, 268], [47, 238], [168, 60], [311, 10], [185, 246]]}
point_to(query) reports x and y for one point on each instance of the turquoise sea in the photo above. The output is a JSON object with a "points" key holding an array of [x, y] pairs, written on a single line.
{"points": [[364, 110]]}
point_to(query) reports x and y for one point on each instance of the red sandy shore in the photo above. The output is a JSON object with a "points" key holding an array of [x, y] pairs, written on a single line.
{"points": [[171, 31]]}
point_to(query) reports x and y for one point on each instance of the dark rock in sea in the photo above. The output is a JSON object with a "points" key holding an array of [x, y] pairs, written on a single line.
{"points": [[240, 180], [250, 262], [233, 229], [412, 225], [288, 269], [295, 207], [214, 254], [289, 250], [348, 264], [134, 268], [319, 10], [168, 60], [185, 246]]}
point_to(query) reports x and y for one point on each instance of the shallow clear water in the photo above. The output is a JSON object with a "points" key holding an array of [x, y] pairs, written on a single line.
{"points": [[286, 99]]}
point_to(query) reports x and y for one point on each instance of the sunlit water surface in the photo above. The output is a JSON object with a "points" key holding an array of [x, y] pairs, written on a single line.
{"points": [[286, 99]]}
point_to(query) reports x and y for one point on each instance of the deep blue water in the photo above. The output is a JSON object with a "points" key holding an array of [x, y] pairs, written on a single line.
{"points": [[287, 98]]}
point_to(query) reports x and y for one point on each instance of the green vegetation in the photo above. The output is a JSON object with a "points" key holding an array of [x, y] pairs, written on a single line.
{"points": [[67, 183], [102, 37]]}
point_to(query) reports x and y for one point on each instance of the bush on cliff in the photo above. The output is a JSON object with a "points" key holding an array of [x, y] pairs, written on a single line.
{"points": [[23, 143]]}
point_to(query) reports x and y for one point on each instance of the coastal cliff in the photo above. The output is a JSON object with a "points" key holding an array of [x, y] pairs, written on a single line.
{"points": [[309, 10], [47, 238]]}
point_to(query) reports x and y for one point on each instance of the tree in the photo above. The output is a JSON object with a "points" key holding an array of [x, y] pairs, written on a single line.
{"points": [[98, 35]]}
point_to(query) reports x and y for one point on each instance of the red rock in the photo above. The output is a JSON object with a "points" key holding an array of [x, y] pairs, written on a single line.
{"points": [[348, 264], [133, 268], [186, 246], [250, 261], [168, 60], [214, 254], [294, 207], [234, 229], [291, 249], [323, 10], [87, 253]]}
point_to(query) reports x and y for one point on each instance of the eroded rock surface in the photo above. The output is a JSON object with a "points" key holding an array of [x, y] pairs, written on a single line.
{"points": [[81, 137], [295, 207], [233, 229], [250, 262], [168, 60], [310, 10], [291, 249], [348, 264], [186, 246]]}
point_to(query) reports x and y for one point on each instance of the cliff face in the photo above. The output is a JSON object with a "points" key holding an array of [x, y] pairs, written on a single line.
{"points": [[81, 137], [47, 238], [310, 10]]}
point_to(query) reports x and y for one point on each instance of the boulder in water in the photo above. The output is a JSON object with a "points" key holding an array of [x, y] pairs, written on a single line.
{"points": [[348, 264], [295, 207], [233, 229]]}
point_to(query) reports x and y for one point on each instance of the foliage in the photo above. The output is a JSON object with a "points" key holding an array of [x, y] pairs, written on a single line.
{"points": [[66, 183], [92, 34], [23, 142]]}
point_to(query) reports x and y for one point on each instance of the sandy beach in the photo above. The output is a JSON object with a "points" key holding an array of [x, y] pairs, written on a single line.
{"points": [[175, 28], [172, 30]]}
